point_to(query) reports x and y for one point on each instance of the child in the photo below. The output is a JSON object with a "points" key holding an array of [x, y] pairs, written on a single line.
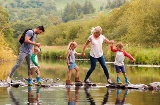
{"points": [[33, 99], [34, 67], [119, 61], [70, 60]]}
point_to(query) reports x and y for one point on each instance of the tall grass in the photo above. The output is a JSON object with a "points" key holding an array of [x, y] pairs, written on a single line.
{"points": [[141, 54]]}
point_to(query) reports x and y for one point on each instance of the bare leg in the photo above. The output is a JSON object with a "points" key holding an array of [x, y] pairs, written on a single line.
{"points": [[77, 71], [69, 74]]}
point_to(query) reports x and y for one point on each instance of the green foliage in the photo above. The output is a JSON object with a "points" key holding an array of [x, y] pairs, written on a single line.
{"points": [[135, 23], [53, 55], [141, 54], [5, 29], [115, 3], [75, 10]]}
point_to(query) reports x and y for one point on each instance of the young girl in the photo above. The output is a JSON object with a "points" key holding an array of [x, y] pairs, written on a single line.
{"points": [[70, 60], [119, 61], [34, 67]]}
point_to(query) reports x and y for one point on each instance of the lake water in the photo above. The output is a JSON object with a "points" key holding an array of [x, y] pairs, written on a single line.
{"points": [[99, 95]]}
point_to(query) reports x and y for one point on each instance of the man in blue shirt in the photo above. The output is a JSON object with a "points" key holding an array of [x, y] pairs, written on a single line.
{"points": [[26, 49]]}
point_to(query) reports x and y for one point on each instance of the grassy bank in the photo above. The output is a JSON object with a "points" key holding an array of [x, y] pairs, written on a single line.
{"points": [[141, 54]]}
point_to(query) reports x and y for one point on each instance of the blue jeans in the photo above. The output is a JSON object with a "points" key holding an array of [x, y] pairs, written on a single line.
{"points": [[20, 59], [101, 60]]}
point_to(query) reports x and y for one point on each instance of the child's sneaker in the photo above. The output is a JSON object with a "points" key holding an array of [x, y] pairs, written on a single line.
{"points": [[38, 79], [29, 82], [126, 80], [109, 81], [87, 81], [118, 80]]}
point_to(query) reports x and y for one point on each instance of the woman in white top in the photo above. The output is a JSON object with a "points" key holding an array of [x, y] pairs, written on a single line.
{"points": [[96, 52]]}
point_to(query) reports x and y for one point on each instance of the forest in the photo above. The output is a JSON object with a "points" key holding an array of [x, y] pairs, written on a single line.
{"points": [[136, 23]]}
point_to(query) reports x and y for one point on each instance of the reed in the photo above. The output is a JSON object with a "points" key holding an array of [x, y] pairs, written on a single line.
{"points": [[141, 54]]}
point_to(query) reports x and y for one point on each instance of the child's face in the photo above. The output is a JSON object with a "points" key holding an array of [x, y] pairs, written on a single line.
{"points": [[118, 48], [36, 51], [73, 46]]}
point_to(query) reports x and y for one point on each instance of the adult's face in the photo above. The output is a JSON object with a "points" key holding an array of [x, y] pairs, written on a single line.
{"points": [[38, 31], [97, 34]]}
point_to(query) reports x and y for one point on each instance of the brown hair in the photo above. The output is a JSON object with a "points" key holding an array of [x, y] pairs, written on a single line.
{"points": [[41, 28], [120, 45]]}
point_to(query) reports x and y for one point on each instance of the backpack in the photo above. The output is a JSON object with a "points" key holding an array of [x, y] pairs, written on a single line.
{"points": [[22, 38]]}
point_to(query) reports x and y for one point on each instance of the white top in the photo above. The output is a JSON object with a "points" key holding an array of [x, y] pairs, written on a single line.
{"points": [[119, 59], [96, 46]]}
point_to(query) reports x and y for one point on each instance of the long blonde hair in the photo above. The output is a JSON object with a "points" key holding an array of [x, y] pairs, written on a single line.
{"points": [[96, 29], [72, 43]]}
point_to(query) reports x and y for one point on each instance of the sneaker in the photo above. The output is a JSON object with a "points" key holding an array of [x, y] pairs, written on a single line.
{"points": [[38, 79], [118, 80], [109, 81], [29, 82], [126, 80], [87, 81], [39, 83], [9, 80]]}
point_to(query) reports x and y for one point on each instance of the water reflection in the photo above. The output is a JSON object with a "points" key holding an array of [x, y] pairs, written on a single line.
{"points": [[120, 101], [106, 96], [70, 100], [33, 99], [88, 96], [12, 97]]}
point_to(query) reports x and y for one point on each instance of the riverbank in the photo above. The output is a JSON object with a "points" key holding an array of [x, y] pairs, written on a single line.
{"points": [[142, 55]]}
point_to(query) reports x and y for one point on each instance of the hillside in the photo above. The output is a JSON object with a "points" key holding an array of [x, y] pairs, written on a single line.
{"points": [[97, 3]]}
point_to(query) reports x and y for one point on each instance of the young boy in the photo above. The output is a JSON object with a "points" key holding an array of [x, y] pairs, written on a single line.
{"points": [[70, 60], [34, 67], [119, 61]]}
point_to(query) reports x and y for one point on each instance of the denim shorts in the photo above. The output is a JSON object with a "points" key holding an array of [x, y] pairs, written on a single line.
{"points": [[120, 68], [72, 66]]}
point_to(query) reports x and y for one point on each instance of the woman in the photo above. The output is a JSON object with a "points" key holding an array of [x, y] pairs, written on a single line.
{"points": [[96, 52]]}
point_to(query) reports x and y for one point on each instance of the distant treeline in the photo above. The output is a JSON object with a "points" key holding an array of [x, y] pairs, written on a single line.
{"points": [[136, 23]]}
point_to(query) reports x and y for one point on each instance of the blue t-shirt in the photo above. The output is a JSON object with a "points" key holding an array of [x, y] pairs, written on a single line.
{"points": [[25, 47]]}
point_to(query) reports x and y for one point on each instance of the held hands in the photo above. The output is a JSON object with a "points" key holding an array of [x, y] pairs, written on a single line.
{"points": [[111, 42], [37, 44], [83, 54], [38, 67]]}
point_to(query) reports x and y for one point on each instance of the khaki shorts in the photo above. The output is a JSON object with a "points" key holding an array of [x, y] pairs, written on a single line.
{"points": [[34, 69]]}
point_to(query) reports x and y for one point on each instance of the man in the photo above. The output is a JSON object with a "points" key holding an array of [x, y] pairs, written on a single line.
{"points": [[26, 49]]}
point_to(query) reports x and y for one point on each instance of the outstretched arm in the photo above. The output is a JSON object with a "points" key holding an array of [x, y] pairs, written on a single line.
{"points": [[112, 48], [128, 55], [84, 48], [108, 41], [79, 54]]}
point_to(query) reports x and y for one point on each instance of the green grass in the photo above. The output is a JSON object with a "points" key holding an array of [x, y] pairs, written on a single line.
{"points": [[141, 54]]}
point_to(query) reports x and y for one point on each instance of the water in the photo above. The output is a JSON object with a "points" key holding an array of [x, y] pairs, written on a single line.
{"points": [[80, 96]]}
